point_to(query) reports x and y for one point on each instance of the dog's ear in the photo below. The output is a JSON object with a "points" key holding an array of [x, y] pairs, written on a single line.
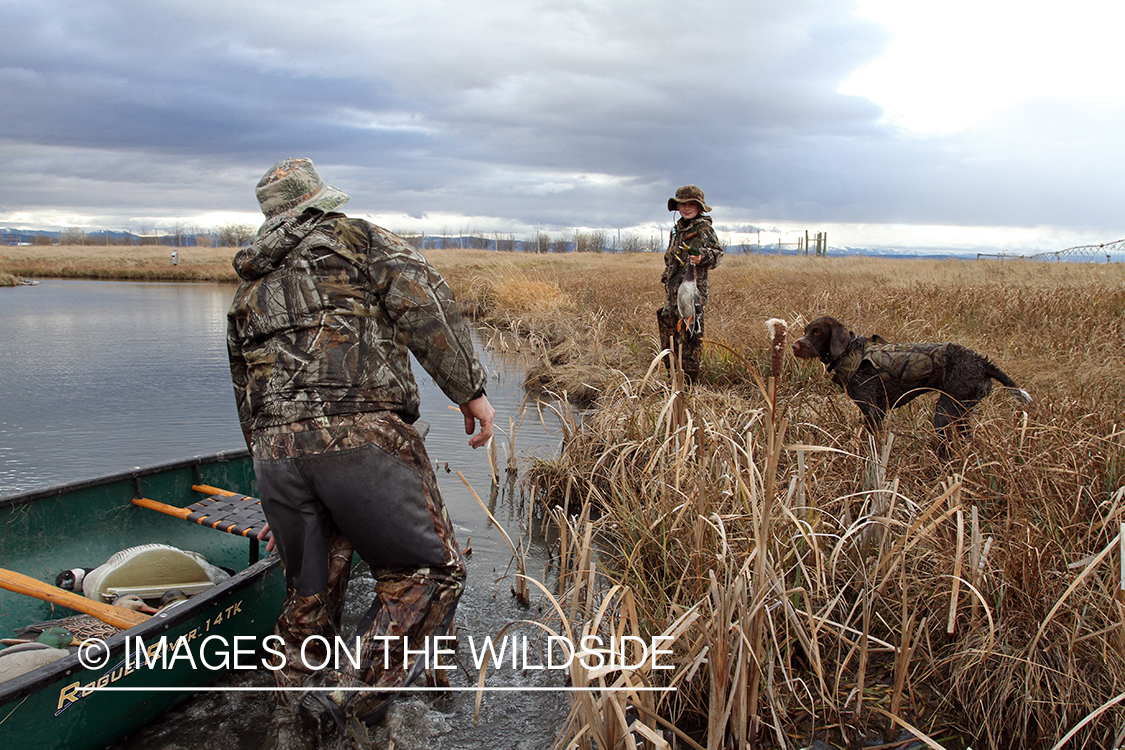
{"points": [[841, 337]]}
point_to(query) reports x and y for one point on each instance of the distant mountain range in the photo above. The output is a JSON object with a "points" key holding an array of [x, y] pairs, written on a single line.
{"points": [[28, 237], [10, 236]]}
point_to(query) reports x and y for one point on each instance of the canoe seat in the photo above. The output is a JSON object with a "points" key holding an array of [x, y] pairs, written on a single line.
{"points": [[241, 515], [224, 510]]}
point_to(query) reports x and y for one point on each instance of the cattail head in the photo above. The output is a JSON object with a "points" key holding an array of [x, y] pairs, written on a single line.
{"points": [[777, 330]]}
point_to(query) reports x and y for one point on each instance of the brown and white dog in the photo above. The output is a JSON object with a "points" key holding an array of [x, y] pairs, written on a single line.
{"points": [[881, 376]]}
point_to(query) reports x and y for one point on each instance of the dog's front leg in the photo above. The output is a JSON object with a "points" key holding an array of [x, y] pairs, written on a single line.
{"points": [[873, 415]]}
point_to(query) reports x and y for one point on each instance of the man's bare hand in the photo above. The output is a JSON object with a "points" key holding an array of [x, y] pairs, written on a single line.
{"points": [[270, 545], [479, 410]]}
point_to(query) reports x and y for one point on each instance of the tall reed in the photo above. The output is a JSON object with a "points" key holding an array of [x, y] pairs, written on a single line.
{"points": [[845, 588], [828, 597]]}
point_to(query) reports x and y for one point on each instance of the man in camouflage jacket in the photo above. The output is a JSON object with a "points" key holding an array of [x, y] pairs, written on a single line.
{"points": [[692, 240], [319, 336]]}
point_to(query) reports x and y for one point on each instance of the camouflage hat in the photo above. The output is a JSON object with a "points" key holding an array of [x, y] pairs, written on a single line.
{"points": [[291, 186], [688, 194]]}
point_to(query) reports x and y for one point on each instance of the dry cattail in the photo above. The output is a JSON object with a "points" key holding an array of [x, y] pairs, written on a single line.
{"points": [[777, 330]]}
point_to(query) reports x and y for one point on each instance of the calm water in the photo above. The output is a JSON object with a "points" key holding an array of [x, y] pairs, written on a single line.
{"points": [[98, 377]]}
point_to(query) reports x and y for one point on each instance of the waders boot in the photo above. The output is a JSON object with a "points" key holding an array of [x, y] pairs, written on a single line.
{"points": [[666, 326], [691, 344], [417, 608], [287, 730], [692, 353], [688, 347]]}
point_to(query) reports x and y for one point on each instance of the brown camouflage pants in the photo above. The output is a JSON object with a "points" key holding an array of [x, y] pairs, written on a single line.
{"points": [[688, 347], [385, 493]]}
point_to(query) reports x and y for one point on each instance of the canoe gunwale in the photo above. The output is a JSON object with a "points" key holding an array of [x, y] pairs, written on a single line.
{"points": [[130, 475]]}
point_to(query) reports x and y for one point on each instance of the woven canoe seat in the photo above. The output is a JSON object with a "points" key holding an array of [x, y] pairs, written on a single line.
{"points": [[241, 515]]}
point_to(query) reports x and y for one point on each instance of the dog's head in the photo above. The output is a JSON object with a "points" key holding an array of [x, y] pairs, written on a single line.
{"points": [[825, 339]]}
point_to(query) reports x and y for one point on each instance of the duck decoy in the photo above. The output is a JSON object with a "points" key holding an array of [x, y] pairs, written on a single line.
{"points": [[54, 637], [87, 626], [24, 656], [71, 580], [171, 598], [688, 302], [147, 570]]}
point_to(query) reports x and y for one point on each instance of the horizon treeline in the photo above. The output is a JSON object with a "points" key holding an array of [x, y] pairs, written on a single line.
{"points": [[539, 241], [237, 235]]}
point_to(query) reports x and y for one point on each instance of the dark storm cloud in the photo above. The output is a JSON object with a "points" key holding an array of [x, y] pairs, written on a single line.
{"points": [[533, 113]]}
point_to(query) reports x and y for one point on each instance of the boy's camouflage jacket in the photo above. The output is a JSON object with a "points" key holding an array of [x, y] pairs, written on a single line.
{"points": [[695, 234], [321, 324]]}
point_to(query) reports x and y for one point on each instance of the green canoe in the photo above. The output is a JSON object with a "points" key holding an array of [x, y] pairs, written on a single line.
{"points": [[83, 524]]}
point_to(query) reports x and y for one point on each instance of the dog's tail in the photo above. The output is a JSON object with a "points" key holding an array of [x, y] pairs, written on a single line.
{"points": [[998, 375]]}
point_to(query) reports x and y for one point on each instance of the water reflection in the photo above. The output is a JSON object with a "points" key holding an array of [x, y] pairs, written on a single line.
{"points": [[99, 377]]}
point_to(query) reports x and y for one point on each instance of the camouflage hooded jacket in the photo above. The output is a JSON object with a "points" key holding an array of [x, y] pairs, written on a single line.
{"points": [[698, 235], [323, 320]]}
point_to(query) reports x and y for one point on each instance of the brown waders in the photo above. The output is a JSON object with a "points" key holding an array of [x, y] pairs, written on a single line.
{"points": [[688, 347]]}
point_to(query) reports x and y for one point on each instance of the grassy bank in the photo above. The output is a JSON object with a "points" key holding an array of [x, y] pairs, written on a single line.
{"points": [[126, 262], [1053, 327], [817, 584]]}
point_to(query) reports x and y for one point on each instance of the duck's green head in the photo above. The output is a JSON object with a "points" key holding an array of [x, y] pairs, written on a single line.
{"points": [[56, 638]]}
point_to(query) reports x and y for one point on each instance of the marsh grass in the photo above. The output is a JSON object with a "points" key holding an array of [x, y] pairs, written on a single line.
{"points": [[822, 585], [841, 594]]}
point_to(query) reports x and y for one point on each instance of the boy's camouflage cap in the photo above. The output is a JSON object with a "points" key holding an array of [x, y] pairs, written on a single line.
{"points": [[291, 186], [688, 194]]}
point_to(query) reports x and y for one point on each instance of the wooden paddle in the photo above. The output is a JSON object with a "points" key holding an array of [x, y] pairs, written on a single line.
{"points": [[118, 617]]}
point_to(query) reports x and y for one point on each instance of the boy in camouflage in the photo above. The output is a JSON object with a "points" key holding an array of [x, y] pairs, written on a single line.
{"points": [[692, 241], [319, 337]]}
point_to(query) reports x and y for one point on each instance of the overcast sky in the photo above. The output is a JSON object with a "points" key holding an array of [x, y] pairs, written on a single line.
{"points": [[885, 122]]}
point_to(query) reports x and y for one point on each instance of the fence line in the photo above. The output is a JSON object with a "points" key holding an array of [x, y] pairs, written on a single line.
{"points": [[613, 241]]}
